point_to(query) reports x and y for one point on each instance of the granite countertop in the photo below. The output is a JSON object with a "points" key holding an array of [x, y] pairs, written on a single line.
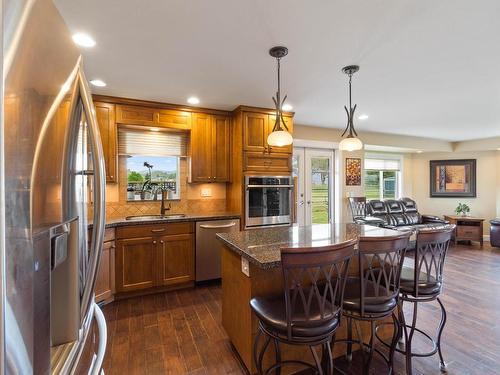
{"points": [[262, 246], [121, 222]]}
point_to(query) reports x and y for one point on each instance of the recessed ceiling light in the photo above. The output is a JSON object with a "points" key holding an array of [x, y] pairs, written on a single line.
{"points": [[362, 117], [419, 151], [84, 40], [193, 100], [287, 107], [98, 82], [155, 129]]}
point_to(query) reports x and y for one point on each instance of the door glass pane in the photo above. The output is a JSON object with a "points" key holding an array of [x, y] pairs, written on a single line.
{"points": [[320, 185], [389, 184], [372, 184]]}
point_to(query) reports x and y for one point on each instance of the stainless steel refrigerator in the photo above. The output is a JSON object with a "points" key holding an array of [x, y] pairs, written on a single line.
{"points": [[52, 186]]}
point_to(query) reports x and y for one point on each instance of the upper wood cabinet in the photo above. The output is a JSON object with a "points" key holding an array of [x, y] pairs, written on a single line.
{"points": [[210, 148], [168, 118], [255, 131], [174, 119], [105, 113], [256, 128]]}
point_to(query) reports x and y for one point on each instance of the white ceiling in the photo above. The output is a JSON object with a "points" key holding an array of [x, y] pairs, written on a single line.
{"points": [[428, 68]]}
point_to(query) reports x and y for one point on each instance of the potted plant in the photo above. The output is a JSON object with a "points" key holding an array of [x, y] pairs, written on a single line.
{"points": [[462, 209]]}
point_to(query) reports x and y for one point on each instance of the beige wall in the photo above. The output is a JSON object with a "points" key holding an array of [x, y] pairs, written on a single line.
{"points": [[484, 205], [415, 169]]}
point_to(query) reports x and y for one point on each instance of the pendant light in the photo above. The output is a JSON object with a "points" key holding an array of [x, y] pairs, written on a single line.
{"points": [[351, 142], [280, 136]]}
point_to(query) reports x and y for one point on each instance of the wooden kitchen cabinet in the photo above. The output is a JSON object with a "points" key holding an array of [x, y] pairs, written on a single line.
{"points": [[135, 264], [272, 163], [255, 131], [210, 148], [176, 259], [105, 280], [135, 115], [105, 113], [154, 256], [257, 127], [165, 118]]}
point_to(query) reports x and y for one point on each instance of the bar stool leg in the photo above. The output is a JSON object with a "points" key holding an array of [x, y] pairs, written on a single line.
{"points": [[394, 342], [258, 358], [442, 363], [327, 356], [408, 340], [349, 338], [316, 360], [277, 352], [366, 367]]}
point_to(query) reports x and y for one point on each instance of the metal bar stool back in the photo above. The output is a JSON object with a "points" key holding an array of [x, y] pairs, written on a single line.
{"points": [[304, 315], [372, 294], [423, 283]]}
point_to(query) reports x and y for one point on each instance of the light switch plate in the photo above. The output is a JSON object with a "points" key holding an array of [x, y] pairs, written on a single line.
{"points": [[245, 267], [207, 192]]}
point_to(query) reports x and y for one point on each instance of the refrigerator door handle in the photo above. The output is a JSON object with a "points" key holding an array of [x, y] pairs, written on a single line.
{"points": [[103, 336], [98, 194]]}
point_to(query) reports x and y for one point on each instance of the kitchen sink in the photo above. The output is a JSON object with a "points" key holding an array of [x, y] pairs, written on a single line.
{"points": [[155, 217]]}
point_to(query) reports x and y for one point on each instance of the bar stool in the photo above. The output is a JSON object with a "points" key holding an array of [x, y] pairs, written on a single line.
{"points": [[423, 283], [372, 295], [304, 315]]}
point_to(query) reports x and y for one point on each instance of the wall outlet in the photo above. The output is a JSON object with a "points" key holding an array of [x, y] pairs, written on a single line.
{"points": [[245, 267], [207, 192]]}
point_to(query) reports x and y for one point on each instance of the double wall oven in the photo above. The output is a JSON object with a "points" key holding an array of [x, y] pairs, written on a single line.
{"points": [[268, 200]]}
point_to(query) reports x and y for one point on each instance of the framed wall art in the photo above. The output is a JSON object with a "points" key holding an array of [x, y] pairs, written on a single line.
{"points": [[353, 171], [453, 178]]}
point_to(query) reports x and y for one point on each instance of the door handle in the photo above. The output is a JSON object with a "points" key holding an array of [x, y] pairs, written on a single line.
{"points": [[101, 348], [308, 202], [205, 226]]}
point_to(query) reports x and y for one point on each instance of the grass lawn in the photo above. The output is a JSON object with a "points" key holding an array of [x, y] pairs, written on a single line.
{"points": [[319, 204]]}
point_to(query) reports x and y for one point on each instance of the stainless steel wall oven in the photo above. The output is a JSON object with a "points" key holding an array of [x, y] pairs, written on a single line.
{"points": [[268, 200]]}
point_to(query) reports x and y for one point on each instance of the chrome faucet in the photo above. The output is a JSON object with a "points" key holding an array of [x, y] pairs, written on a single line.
{"points": [[163, 209]]}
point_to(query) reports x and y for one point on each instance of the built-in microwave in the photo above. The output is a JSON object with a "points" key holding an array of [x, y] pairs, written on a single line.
{"points": [[268, 200]]}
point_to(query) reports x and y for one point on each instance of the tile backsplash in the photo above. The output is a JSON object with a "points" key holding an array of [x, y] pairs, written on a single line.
{"points": [[191, 201]]}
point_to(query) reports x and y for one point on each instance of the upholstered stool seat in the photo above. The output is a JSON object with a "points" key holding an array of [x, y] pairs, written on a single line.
{"points": [[272, 313], [373, 303], [427, 284]]}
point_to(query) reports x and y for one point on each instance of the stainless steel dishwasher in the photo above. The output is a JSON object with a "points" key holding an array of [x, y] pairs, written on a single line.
{"points": [[208, 247]]}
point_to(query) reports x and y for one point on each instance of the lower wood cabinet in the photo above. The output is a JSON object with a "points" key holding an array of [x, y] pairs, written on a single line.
{"points": [[151, 256], [177, 259], [135, 264], [105, 280]]}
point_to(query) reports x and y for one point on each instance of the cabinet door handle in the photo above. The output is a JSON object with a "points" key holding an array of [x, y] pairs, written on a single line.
{"points": [[154, 242], [157, 230], [162, 242]]}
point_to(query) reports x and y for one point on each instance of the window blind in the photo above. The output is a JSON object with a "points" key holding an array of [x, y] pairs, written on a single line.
{"points": [[382, 164], [134, 141]]}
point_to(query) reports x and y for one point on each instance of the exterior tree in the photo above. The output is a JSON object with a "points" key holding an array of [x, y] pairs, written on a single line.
{"points": [[134, 176]]}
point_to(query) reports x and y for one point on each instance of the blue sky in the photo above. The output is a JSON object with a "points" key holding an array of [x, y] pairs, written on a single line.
{"points": [[160, 163]]}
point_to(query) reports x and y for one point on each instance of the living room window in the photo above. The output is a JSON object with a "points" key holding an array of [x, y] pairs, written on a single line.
{"points": [[153, 161], [382, 176]]}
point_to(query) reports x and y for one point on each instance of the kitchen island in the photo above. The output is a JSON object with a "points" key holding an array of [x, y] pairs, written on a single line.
{"points": [[251, 266]]}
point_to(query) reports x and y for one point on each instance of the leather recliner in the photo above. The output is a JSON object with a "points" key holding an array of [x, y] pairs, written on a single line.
{"points": [[399, 214]]}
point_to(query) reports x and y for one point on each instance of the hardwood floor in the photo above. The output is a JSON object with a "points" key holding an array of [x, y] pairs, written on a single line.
{"points": [[181, 333]]}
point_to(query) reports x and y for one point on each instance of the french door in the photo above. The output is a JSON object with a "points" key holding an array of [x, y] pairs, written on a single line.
{"points": [[313, 178]]}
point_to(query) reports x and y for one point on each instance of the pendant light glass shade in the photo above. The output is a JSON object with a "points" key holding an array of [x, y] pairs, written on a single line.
{"points": [[279, 138], [351, 144]]}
